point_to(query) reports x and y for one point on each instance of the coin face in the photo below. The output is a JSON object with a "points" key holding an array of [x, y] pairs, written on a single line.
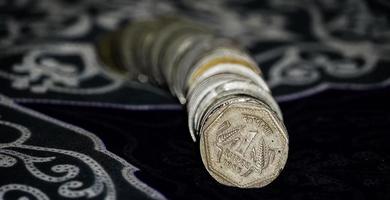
{"points": [[244, 145]]}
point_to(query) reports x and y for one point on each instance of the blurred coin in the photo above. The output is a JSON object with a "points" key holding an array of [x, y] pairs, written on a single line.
{"points": [[243, 141]]}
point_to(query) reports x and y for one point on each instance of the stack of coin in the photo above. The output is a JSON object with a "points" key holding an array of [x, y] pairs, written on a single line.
{"points": [[243, 141]]}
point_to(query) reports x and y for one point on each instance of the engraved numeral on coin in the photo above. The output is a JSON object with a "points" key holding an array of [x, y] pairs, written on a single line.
{"points": [[246, 141]]}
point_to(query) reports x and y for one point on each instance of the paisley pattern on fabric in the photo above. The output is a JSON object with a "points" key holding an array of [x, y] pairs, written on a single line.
{"points": [[303, 46], [55, 170], [61, 68]]}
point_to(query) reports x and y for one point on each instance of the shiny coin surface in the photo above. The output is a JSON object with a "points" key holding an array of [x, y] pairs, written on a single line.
{"points": [[244, 145], [243, 141]]}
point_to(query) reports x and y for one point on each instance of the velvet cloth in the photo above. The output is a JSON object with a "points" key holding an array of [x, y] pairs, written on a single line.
{"points": [[109, 138]]}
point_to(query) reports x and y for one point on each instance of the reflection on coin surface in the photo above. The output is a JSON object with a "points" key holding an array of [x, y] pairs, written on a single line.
{"points": [[243, 141], [244, 145]]}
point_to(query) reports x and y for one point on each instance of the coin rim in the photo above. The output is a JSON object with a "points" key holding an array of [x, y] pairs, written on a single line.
{"points": [[205, 151]]}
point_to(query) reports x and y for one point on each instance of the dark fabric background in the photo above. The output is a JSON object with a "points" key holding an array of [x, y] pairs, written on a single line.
{"points": [[338, 148], [326, 62]]}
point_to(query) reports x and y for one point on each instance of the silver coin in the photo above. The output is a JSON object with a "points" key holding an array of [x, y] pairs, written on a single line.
{"points": [[169, 31], [221, 55], [243, 141], [147, 35], [175, 53], [202, 50], [202, 96], [220, 86], [126, 44], [244, 145], [184, 63]]}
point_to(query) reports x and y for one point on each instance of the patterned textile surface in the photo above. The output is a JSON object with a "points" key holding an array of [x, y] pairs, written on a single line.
{"points": [[326, 62]]}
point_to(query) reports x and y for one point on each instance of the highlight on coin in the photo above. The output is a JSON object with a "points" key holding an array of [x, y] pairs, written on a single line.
{"points": [[231, 111]]}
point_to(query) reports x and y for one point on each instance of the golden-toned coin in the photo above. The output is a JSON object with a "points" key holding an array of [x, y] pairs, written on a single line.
{"points": [[244, 144]]}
